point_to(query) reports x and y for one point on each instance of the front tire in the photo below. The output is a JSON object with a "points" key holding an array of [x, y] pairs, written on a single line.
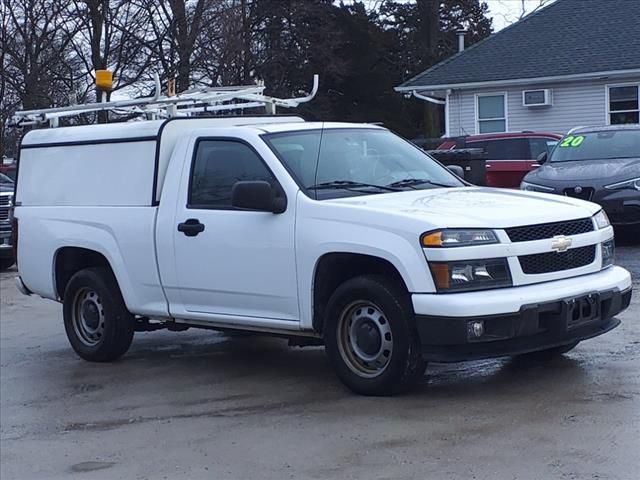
{"points": [[6, 263], [98, 324], [370, 336]]}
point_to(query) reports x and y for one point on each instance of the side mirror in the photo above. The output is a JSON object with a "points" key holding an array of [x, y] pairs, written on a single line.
{"points": [[542, 158], [257, 195], [456, 169]]}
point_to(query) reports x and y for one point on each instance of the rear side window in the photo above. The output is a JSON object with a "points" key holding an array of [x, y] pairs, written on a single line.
{"points": [[504, 149], [540, 145], [218, 165]]}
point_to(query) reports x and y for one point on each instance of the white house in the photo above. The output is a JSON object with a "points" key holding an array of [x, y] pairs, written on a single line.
{"points": [[575, 62]]}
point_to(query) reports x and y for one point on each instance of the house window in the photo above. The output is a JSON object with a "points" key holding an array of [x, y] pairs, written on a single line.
{"points": [[624, 104], [491, 113]]}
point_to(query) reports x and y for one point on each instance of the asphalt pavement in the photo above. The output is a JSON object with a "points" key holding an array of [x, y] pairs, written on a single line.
{"points": [[202, 405]]}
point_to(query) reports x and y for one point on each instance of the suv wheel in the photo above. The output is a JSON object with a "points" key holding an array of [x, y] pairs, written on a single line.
{"points": [[6, 263], [370, 336], [98, 325]]}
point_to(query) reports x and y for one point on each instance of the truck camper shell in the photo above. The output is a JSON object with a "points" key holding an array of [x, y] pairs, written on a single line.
{"points": [[85, 162]]}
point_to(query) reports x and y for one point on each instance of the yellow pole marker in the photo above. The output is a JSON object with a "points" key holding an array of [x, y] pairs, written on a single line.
{"points": [[104, 80]]}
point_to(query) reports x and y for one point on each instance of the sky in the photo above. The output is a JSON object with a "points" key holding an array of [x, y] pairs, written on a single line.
{"points": [[503, 12], [506, 12]]}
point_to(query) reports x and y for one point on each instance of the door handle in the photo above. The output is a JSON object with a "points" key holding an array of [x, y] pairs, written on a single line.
{"points": [[191, 227]]}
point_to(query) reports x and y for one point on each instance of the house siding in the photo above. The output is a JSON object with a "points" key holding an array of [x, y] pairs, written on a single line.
{"points": [[574, 104]]}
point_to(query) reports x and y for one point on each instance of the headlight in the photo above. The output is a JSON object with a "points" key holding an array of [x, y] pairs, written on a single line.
{"points": [[533, 187], [633, 183], [608, 253], [458, 238], [468, 275], [601, 219]]}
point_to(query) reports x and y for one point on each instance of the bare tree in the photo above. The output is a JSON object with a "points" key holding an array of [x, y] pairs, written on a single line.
{"points": [[37, 68], [37, 65], [176, 27], [227, 51], [108, 34], [516, 10]]}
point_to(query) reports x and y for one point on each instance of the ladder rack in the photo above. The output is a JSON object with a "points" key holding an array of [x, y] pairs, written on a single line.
{"points": [[198, 100]]}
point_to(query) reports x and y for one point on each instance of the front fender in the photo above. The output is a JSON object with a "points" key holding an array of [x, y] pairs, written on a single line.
{"points": [[318, 237]]}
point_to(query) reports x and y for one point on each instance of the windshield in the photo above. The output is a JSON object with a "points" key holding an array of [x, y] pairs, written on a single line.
{"points": [[354, 161], [4, 180], [604, 145]]}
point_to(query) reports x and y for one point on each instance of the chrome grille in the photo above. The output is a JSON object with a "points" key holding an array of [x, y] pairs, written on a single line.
{"points": [[557, 261], [541, 231], [4, 200]]}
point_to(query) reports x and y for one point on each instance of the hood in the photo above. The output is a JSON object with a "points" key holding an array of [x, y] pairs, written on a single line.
{"points": [[599, 170], [473, 207], [4, 188]]}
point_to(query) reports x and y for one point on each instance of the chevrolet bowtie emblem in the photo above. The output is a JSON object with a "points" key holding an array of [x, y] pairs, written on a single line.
{"points": [[560, 243]]}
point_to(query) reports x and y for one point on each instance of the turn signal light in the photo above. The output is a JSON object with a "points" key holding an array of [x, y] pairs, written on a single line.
{"points": [[458, 238]]}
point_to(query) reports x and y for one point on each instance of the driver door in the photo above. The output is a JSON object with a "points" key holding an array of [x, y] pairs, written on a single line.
{"points": [[232, 262]]}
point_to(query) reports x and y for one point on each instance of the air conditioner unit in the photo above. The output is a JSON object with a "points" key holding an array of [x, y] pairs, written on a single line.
{"points": [[536, 98]]}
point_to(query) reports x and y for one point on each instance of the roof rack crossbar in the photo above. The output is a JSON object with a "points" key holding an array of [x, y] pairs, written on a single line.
{"points": [[209, 99]]}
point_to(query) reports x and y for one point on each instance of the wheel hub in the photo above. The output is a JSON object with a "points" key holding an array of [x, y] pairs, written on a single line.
{"points": [[368, 338], [365, 339], [90, 314], [88, 317]]}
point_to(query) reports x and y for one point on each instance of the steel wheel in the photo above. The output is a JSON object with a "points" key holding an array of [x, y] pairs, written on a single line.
{"points": [[364, 339], [88, 317]]}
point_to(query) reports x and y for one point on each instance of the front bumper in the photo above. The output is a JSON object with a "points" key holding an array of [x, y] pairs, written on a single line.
{"points": [[622, 206], [6, 251], [518, 320]]}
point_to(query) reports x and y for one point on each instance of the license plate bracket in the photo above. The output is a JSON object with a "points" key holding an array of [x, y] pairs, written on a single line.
{"points": [[582, 310]]}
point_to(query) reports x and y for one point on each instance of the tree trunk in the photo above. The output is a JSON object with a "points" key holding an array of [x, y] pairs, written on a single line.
{"points": [[429, 33]]}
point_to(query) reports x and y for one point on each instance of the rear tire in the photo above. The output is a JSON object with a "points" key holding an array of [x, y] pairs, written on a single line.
{"points": [[98, 324], [370, 336]]}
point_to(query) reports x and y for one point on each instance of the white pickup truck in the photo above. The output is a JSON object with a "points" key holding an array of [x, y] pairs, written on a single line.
{"points": [[325, 233]]}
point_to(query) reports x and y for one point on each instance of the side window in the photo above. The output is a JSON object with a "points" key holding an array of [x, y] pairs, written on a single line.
{"points": [[482, 145], [218, 165], [505, 149], [538, 146]]}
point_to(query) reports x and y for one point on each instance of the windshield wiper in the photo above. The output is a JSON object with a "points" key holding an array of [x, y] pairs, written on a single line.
{"points": [[412, 182], [348, 184]]}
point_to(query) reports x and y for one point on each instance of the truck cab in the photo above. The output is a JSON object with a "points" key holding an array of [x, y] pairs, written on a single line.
{"points": [[325, 233]]}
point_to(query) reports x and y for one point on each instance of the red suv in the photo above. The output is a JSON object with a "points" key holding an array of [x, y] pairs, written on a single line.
{"points": [[9, 170], [510, 156]]}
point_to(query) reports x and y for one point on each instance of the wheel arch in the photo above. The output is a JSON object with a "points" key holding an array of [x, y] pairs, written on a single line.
{"points": [[69, 260], [334, 268]]}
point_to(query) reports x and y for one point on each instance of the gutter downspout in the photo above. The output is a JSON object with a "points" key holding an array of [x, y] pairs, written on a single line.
{"points": [[437, 101], [426, 98], [446, 114]]}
